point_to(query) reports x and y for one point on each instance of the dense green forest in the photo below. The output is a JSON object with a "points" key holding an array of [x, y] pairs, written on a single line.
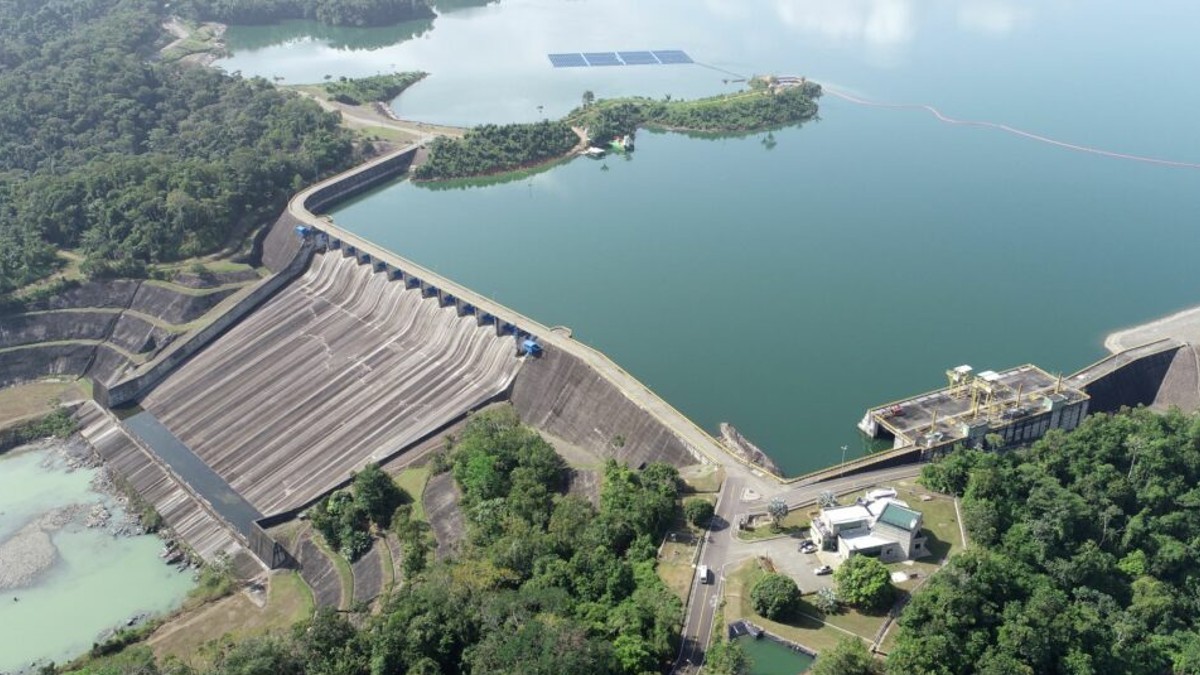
{"points": [[360, 90], [545, 584], [492, 148], [757, 108], [1085, 557], [133, 161], [331, 12]]}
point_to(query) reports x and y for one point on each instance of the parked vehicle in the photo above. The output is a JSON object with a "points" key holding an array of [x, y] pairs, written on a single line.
{"points": [[823, 570], [808, 547]]}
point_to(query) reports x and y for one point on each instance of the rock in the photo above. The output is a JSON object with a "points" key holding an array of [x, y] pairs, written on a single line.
{"points": [[747, 450]]}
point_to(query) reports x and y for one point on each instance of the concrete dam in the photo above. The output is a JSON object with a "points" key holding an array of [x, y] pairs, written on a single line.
{"points": [[235, 404], [341, 368]]}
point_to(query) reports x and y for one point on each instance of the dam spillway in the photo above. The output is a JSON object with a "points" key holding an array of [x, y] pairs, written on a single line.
{"points": [[342, 367]]}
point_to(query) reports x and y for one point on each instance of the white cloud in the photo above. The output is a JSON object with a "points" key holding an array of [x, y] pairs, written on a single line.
{"points": [[992, 17], [881, 24]]}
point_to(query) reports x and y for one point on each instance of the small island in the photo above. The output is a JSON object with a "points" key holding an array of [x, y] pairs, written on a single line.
{"points": [[768, 103]]}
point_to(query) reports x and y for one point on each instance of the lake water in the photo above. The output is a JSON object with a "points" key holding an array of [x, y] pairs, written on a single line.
{"points": [[786, 283], [771, 658], [97, 581]]}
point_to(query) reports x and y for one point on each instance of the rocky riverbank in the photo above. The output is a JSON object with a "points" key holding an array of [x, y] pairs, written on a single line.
{"points": [[27, 555], [748, 451]]}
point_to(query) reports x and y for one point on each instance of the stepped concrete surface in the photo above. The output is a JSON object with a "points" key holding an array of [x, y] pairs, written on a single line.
{"points": [[340, 368], [191, 521]]}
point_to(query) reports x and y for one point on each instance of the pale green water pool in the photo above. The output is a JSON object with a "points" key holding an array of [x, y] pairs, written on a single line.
{"points": [[97, 580]]}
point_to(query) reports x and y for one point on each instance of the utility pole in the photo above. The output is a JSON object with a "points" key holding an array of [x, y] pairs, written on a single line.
{"points": [[843, 461]]}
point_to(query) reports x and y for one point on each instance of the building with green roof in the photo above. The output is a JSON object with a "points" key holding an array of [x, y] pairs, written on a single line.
{"points": [[886, 528]]}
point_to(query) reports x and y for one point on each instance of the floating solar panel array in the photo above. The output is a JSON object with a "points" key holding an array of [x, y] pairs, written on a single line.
{"points": [[647, 58]]}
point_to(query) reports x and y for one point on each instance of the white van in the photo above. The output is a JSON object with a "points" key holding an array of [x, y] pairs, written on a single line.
{"points": [[704, 574]]}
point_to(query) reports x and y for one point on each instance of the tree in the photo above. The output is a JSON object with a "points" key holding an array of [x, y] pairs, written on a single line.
{"points": [[775, 596], [849, 657], [588, 98], [727, 657], [864, 582], [827, 600], [698, 512], [378, 494], [778, 510]]}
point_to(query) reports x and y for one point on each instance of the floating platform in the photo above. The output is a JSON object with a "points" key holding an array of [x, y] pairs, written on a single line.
{"points": [[1020, 405], [660, 57]]}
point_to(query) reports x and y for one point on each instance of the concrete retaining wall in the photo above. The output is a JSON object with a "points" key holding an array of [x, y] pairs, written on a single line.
{"points": [[100, 293], [563, 395], [174, 307], [32, 362], [359, 182], [24, 329], [129, 389], [137, 336], [281, 243], [1132, 384]]}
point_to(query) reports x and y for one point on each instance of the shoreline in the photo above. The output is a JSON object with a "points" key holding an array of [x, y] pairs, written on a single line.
{"points": [[1183, 325]]}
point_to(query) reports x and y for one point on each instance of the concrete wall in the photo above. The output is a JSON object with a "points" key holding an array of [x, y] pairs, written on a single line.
{"points": [[24, 329], [101, 293], [174, 307], [1133, 384], [360, 182], [281, 243], [561, 394], [1181, 385], [137, 336], [129, 389], [33, 362]]}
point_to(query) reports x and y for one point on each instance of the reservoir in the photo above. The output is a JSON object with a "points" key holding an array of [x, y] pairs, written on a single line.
{"points": [[785, 282], [77, 578]]}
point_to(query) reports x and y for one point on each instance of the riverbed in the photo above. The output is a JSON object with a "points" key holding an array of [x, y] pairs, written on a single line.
{"points": [[75, 565]]}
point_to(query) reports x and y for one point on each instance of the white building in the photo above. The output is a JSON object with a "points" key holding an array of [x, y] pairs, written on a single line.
{"points": [[884, 528]]}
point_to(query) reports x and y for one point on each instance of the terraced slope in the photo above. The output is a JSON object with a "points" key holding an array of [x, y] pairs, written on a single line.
{"points": [[340, 368], [105, 329]]}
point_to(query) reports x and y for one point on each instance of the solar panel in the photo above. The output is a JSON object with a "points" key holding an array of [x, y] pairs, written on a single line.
{"points": [[567, 60], [638, 58], [672, 56], [602, 59]]}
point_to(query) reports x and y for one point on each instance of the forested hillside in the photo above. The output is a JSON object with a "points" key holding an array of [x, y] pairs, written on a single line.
{"points": [[134, 161], [332, 12], [1085, 557]]}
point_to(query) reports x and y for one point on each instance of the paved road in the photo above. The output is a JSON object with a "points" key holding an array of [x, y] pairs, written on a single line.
{"points": [[723, 550]]}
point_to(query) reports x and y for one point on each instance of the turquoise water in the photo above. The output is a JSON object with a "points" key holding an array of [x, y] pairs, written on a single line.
{"points": [[97, 582], [771, 658], [786, 286]]}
